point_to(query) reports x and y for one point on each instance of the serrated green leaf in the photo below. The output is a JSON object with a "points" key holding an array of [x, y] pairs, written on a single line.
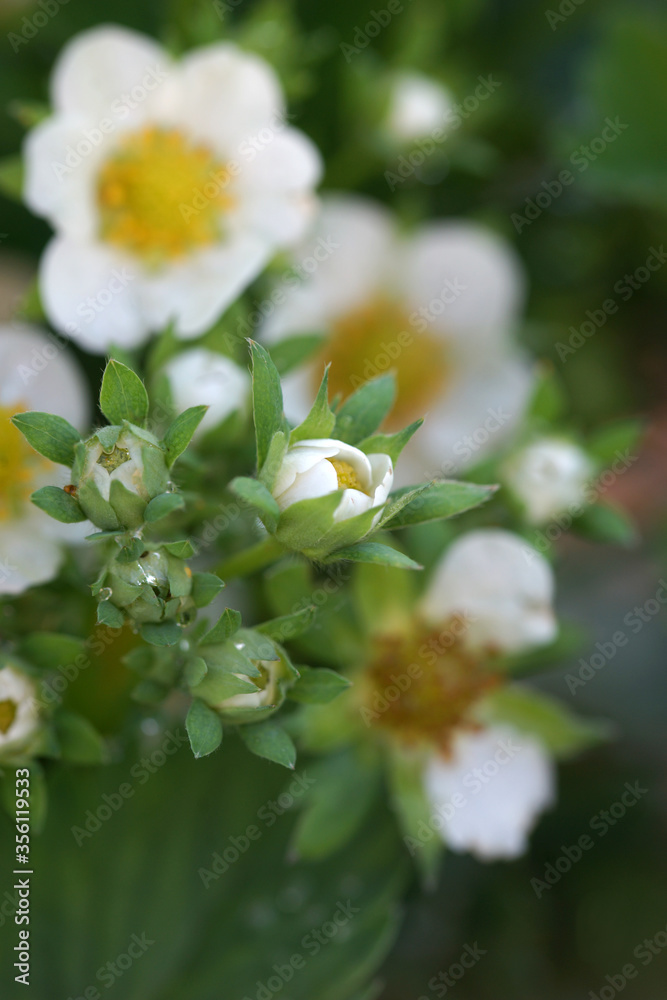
{"points": [[180, 433], [163, 505], [123, 395], [58, 504], [48, 434], [109, 614], [257, 496], [321, 420], [268, 740], [205, 588], [226, 626], [390, 444], [162, 634], [204, 728], [439, 500], [374, 552], [318, 686], [267, 400], [362, 413]]}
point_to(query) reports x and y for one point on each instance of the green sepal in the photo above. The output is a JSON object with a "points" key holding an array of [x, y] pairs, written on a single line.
{"points": [[163, 505], [96, 508], [267, 400], [362, 413], [161, 633], [109, 614], [288, 627], [317, 686], [128, 506], [292, 352], [374, 552], [390, 444], [321, 420], [205, 588], [204, 728], [226, 626], [58, 504], [269, 741], [180, 432], [256, 495], [123, 395]]}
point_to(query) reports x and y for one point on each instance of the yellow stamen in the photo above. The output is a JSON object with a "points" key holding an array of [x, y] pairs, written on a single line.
{"points": [[347, 477], [19, 466], [378, 337], [7, 715], [161, 196]]}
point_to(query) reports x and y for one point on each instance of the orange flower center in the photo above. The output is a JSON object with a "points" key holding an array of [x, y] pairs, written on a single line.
{"points": [[161, 196]]}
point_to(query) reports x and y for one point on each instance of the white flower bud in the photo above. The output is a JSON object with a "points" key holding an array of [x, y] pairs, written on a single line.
{"points": [[269, 693], [549, 477], [200, 377], [315, 468], [500, 586]]}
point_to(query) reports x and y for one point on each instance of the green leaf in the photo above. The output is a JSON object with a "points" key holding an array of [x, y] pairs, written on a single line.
{"points": [[257, 496], [123, 395], [182, 549], [390, 444], [374, 552], [109, 614], [162, 634], [303, 524], [537, 714], [218, 686], [195, 671], [48, 434], [226, 626], [619, 440], [267, 740], [180, 433], [163, 505], [601, 522], [363, 412], [58, 504], [292, 352], [442, 499], [204, 728], [288, 627], [205, 588], [548, 402], [321, 420], [47, 650], [12, 177], [414, 812], [128, 505], [267, 400], [274, 459], [318, 686], [80, 743]]}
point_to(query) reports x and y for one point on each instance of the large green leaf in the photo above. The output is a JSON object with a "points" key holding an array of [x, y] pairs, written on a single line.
{"points": [[192, 856]]}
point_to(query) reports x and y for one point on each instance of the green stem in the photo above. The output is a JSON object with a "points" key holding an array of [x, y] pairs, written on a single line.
{"points": [[268, 551]]}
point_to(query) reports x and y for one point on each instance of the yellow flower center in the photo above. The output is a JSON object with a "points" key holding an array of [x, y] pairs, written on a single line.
{"points": [[161, 195], [347, 477], [7, 715], [378, 337], [421, 687], [19, 465]]}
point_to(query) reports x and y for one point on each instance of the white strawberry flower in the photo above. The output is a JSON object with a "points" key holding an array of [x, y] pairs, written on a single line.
{"points": [[315, 468], [170, 185], [19, 712], [418, 105], [549, 477], [35, 374], [201, 377], [502, 588], [439, 307], [489, 791]]}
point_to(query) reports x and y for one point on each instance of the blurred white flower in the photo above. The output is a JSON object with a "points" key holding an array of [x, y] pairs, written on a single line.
{"points": [[35, 374], [548, 477], [438, 307], [317, 467], [502, 587], [489, 791], [169, 184], [418, 104], [19, 713], [201, 377]]}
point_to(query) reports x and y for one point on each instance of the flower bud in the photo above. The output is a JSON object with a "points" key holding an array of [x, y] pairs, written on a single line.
{"points": [[156, 587], [418, 105], [315, 468], [19, 713], [549, 477], [117, 472]]}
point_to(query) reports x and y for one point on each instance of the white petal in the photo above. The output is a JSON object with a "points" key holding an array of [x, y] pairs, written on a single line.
{"points": [[228, 95], [317, 481], [470, 281], [352, 502], [345, 263], [38, 373], [502, 586], [90, 293], [26, 556], [344, 453], [17, 687], [102, 66], [486, 798], [382, 475], [59, 181], [200, 377], [194, 292], [418, 105], [549, 477], [300, 458]]}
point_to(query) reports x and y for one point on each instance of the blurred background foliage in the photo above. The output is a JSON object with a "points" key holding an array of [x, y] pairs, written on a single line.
{"points": [[563, 67]]}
